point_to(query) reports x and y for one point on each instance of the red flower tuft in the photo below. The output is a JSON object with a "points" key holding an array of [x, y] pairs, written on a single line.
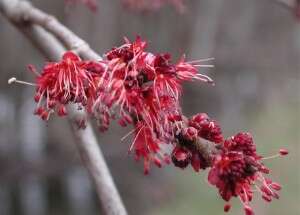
{"points": [[237, 168], [144, 88], [181, 157], [138, 81], [207, 128], [147, 146], [139, 88], [63, 82]]}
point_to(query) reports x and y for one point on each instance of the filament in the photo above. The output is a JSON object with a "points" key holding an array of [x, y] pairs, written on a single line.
{"points": [[14, 80]]}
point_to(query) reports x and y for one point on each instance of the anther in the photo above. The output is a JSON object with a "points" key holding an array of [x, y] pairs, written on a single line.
{"points": [[14, 80]]}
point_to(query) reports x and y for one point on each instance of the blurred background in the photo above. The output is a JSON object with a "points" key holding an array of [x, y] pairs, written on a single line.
{"points": [[256, 44]]}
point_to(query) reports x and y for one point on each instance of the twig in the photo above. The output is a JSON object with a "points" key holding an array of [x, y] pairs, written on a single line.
{"points": [[19, 13], [289, 4]]}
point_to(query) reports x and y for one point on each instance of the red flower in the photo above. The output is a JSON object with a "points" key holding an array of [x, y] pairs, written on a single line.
{"points": [[145, 89], [242, 142], [147, 146], [187, 142], [237, 168], [188, 71], [138, 81], [63, 82], [120, 84], [190, 133], [207, 128], [181, 157]]}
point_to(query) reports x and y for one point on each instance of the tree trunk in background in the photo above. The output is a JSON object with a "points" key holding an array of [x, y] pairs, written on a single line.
{"points": [[32, 144], [79, 191], [7, 123], [205, 27]]}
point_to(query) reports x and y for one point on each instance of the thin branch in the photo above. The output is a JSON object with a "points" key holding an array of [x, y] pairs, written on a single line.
{"points": [[92, 155], [19, 13], [289, 4]]}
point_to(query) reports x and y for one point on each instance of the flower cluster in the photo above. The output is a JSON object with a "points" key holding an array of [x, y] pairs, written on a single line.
{"points": [[238, 170], [144, 89], [70, 81], [188, 150], [140, 88]]}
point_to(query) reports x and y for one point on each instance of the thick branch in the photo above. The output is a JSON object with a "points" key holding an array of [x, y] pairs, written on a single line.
{"points": [[22, 11], [16, 11]]}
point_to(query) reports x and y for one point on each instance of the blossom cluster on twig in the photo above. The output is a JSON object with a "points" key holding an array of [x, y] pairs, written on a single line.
{"points": [[137, 87]]}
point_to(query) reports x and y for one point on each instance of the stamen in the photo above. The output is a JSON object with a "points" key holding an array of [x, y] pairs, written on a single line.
{"points": [[14, 80], [282, 152], [128, 134], [227, 207], [204, 65], [201, 60], [132, 144], [271, 157]]}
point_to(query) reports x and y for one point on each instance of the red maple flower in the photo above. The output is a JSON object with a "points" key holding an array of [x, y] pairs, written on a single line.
{"points": [[148, 146], [207, 128], [238, 168], [70, 80], [143, 88], [181, 157], [188, 138]]}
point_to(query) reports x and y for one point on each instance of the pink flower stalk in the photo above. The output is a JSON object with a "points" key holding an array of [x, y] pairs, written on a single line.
{"points": [[61, 83]]}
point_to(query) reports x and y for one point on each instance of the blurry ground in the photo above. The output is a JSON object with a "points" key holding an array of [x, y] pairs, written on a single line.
{"points": [[257, 49]]}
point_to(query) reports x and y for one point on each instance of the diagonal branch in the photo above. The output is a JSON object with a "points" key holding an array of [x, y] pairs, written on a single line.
{"points": [[23, 11], [289, 4], [33, 23]]}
